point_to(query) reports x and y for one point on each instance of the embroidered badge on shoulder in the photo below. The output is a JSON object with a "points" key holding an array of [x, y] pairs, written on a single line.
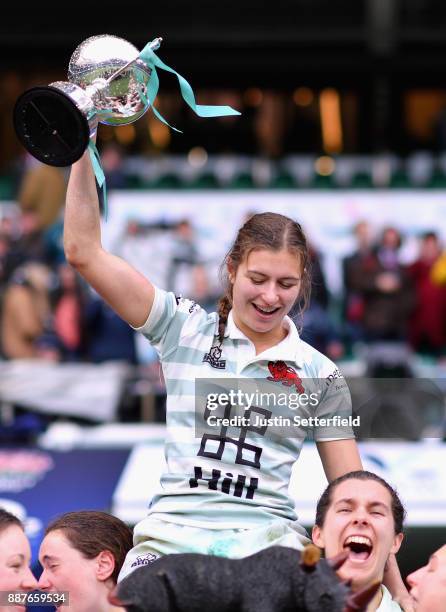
{"points": [[193, 307], [213, 358], [146, 559], [280, 372]]}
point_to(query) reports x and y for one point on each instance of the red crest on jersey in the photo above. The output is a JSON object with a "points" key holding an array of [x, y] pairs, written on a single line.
{"points": [[280, 372]]}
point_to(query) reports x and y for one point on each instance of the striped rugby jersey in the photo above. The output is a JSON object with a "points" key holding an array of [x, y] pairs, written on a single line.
{"points": [[235, 477]]}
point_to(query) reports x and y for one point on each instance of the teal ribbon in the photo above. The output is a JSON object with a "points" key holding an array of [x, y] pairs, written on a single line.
{"points": [[149, 57], [99, 173]]}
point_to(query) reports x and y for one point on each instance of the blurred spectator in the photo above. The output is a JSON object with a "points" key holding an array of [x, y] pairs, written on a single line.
{"points": [[53, 240], [26, 244], [186, 275], [26, 313], [318, 328], [42, 192], [69, 314], [360, 260], [428, 322], [112, 164], [438, 272], [4, 250], [385, 288], [108, 337]]}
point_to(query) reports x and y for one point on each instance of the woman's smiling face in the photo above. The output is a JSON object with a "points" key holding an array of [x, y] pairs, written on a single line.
{"points": [[265, 287]]}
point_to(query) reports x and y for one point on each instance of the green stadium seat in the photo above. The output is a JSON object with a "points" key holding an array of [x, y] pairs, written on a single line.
{"points": [[283, 180], [400, 180], [167, 181], [361, 180], [243, 181], [438, 180], [323, 182], [7, 190], [205, 181]]}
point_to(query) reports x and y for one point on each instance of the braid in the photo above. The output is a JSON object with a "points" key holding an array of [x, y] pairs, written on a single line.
{"points": [[224, 306]]}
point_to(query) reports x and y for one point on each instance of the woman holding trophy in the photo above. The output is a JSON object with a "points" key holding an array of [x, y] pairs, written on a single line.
{"points": [[221, 495]]}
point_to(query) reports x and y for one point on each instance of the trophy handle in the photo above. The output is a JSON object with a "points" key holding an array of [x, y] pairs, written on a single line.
{"points": [[154, 45], [51, 127]]}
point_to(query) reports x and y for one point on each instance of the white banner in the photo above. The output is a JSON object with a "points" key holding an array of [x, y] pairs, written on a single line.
{"points": [[416, 469], [90, 391], [327, 217]]}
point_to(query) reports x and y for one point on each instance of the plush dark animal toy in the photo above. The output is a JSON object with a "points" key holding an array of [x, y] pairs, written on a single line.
{"points": [[277, 579]]}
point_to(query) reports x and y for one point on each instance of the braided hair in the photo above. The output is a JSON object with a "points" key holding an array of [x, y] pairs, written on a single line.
{"points": [[265, 231]]}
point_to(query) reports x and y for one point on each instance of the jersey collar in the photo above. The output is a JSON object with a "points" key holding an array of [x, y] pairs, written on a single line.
{"points": [[289, 349]]}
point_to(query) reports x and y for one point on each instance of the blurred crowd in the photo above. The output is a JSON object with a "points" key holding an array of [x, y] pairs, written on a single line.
{"points": [[47, 311], [383, 300]]}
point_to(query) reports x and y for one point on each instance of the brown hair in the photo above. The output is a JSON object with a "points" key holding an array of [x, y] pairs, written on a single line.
{"points": [[398, 511], [91, 532], [265, 231], [7, 519]]}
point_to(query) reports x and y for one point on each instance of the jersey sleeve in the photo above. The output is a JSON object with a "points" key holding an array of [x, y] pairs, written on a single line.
{"points": [[170, 318], [334, 409]]}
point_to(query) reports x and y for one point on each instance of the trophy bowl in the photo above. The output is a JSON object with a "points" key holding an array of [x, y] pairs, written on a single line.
{"points": [[107, 83], [96, 61]]}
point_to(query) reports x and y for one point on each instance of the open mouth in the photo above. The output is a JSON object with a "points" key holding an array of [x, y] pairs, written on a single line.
{"points": [[266, 312], [360, 547]]}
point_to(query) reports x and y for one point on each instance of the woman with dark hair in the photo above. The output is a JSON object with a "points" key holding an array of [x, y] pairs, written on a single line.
{"points": [[15, 557], [360, 513], [81, 554]]}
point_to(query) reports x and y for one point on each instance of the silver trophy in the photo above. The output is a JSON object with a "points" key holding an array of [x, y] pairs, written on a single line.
{"points": [[107, 83]]}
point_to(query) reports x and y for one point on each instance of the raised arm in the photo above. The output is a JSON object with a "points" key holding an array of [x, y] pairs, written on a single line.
{"points": [[127, 291]]}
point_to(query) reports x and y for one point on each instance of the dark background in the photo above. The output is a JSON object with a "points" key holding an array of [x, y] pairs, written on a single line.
{"points": [[376, 50]]}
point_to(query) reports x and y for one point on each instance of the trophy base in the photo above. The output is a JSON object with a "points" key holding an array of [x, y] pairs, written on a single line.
{"points": [[50, 126]]}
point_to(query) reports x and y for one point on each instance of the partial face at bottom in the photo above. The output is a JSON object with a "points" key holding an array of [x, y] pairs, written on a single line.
{"points": [[15, 557], [428, 584]]}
